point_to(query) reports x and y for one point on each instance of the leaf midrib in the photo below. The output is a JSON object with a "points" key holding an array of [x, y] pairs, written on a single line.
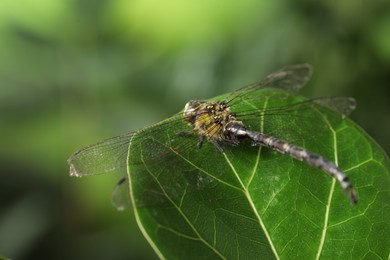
{"points": [[249, 198], [326, 219], [246, 187]]}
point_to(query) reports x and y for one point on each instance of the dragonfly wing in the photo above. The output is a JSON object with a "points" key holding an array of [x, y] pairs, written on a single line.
{"points": [[291, 78], [121, 195], [341, 105], [111, 154], [294, 121], [102, 157]]}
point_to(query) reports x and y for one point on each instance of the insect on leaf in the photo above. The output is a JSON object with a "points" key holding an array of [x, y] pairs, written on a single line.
{"points": [[200, 188], [252, 202]]}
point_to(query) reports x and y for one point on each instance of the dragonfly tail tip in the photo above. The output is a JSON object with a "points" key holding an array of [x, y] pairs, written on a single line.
{"points": [[353, 196]]}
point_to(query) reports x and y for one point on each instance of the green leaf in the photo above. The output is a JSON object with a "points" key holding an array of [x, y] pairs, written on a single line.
{"points": [[252, 202]]}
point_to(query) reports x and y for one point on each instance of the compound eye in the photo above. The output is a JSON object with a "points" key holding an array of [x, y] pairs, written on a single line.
{"points": [[189, 112]]}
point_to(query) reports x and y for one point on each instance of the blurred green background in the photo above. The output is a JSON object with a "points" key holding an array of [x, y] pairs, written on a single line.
{"points": [[73, 72]]}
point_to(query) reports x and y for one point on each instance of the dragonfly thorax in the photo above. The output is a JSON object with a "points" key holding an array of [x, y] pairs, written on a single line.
{"points": [[210, 119]]}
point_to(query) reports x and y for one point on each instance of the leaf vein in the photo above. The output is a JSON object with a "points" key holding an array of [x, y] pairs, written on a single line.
{"points": [[182, 213], [249, 198], [330, 197], [260, 147], [177, 232], [358, 165], [198, 168]]}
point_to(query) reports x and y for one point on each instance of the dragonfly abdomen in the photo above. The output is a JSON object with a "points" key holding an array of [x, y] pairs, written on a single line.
{"points": [[310, 158]]}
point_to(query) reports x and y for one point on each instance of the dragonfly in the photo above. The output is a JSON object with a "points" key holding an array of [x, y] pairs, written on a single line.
{"points": [[225, 123]]}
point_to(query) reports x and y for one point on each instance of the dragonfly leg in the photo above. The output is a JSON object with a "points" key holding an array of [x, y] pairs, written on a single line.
{"points": [[185, 133], [200, 141], [217, 145]]}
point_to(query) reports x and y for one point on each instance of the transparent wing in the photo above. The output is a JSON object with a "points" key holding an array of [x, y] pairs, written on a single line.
{"points": [[149, 196], [105, 156], [291, 78], [340, 105], [300, 120], [111, 154], [121, 195]]}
